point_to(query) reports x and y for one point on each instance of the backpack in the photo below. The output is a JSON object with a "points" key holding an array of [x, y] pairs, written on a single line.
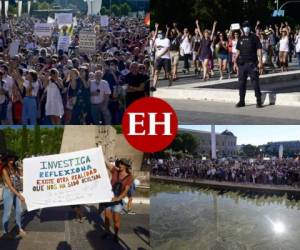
{"points": [[118, 186]]}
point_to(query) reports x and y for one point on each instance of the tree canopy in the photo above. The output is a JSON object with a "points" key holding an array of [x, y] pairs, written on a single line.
{"points": [[33, 141], [225, 12]]}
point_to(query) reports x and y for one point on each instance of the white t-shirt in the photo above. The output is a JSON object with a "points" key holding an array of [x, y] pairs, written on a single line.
{"points": [[103, 89], [186, 45], [9, 83], [35, 87], [161, 45], [54, 102], [284, 44], [3, 87], [297, 43], [234, 43]]}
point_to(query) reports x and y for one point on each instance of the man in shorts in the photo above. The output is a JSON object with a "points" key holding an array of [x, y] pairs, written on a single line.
{"points": [[162, 58]]}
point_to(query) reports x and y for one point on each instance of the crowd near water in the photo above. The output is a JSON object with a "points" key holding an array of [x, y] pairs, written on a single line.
{"points": [[42, 82], [272, 172]]}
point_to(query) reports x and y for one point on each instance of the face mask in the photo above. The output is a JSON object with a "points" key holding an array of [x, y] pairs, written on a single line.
{"points": [[246, 30]]}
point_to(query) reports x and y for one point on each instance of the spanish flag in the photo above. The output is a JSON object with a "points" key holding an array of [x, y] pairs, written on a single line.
{"points": [[147, 19]]}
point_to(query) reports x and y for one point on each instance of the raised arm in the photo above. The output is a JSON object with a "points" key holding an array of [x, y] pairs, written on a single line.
{"points": [[156, 30], [176, 28], [198, 28], [257, 25], [213, 30], [167, 30]]}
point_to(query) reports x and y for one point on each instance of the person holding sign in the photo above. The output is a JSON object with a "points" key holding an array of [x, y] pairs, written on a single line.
{"points": [[121, 181], [11, 194]]}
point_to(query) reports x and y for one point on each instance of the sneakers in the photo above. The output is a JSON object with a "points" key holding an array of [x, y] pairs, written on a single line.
{"points": [[7, 236], [259, 105], [131, 212], [240, 104], [152, 89]]}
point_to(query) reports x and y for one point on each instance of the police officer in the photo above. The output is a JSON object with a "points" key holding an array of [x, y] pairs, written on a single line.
{"points": [[248, 61]]}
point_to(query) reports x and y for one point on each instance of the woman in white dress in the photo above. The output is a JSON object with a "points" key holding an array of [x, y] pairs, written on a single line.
{"points": [[54, 103]]}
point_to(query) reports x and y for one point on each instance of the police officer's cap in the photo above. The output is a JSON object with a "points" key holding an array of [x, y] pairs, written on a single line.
{"points": [[246, 24]]}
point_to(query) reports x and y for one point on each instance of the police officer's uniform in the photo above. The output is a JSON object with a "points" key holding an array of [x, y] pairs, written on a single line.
{"points": [[247, 63]]}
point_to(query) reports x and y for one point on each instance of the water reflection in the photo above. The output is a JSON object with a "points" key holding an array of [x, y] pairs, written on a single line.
{"points": [[191, 218]]}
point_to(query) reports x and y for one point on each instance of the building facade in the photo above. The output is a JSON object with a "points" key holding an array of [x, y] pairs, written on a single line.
{"points": [[225, 142], [289, 147]]}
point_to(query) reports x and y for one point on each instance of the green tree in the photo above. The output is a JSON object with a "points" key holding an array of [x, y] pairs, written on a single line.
{"points": [[24, 141], [37, 140], [125, 9], [104, 11], [43, 6], [249, 151], [115, 9]]}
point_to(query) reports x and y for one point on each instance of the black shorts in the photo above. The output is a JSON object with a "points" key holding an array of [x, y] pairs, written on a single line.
{"points": [[163, 63]]}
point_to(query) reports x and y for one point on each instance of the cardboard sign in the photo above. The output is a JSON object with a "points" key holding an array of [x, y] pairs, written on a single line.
{"points": [[104, 21], [235, 26], [87, 42], [14, 48], [43, 29], [63, 43], [66, 179], [64, 18]]}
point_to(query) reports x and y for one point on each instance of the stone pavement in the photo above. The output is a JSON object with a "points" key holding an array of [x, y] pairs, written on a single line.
{"points": [[55, 228], [184, 78]]}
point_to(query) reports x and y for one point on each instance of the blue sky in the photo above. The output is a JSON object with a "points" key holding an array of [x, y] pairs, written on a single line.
{"points": [[255, 134]]}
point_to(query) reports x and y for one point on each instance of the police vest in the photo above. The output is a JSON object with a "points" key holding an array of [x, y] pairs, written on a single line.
{"points": [[248, 46]]}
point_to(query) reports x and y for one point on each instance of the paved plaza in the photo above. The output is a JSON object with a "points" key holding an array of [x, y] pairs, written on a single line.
{"points": [[55, 228]]}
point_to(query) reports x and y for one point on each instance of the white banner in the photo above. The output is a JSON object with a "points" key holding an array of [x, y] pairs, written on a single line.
{"points": [[64, 18], [43, 29], [87, 42], [66, 179], [63, 43], [20, 5], [104, 21], [96, 6]]}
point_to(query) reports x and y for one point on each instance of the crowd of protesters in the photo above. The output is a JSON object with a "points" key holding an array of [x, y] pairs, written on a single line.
{"points": [[273, 172], [202, 49], [46, 85]]}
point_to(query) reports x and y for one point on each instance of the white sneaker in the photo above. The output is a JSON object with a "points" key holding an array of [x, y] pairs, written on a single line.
{"points": [[221, 78]]}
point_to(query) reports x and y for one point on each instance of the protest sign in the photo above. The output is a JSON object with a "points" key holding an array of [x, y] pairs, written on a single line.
{"points": [[63, 43], [43, 29], [64, 18], [104, 22], [87, 42], [50, 20], [14, 48], [66, 179], [235, 26]]}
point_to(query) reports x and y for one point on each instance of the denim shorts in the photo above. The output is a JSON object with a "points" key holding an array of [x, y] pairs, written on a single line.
{"points": [[115, 207]]}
